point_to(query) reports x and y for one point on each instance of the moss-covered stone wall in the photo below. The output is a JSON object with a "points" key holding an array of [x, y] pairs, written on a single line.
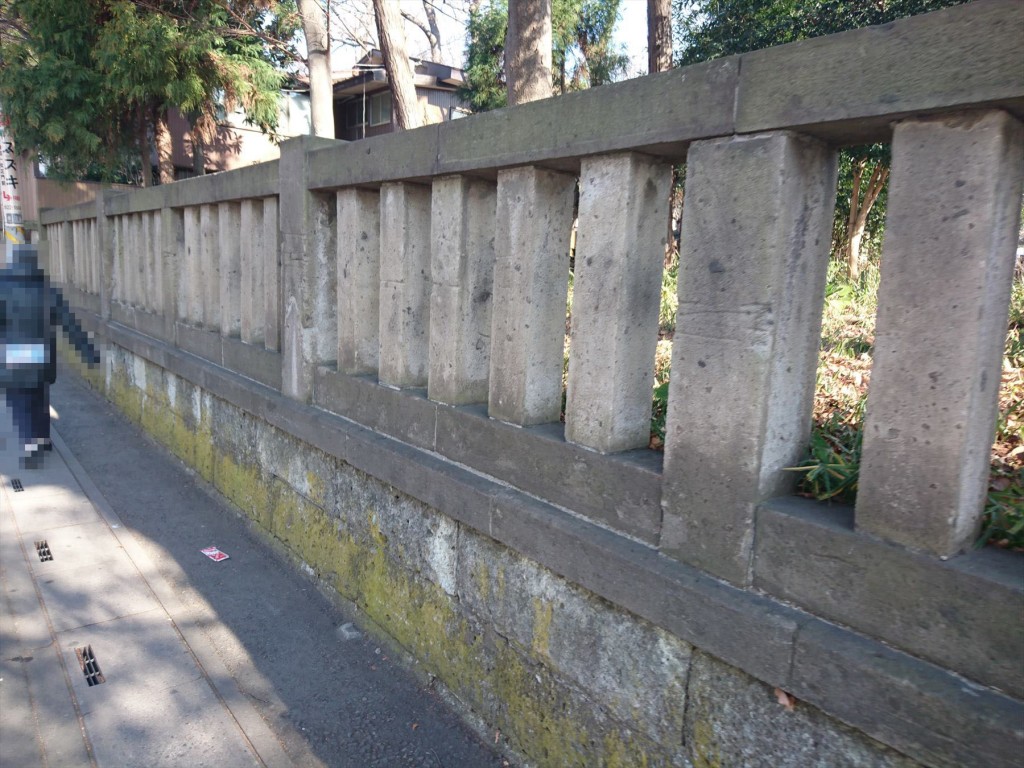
{"points": [[564, 677]]}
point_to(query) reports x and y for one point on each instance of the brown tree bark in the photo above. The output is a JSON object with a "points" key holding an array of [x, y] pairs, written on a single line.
{"points": [[859, 210], [429, 29], [145, 162], [659, 35], [318, 62], [164, 147], [405, 106], [528, 51]]}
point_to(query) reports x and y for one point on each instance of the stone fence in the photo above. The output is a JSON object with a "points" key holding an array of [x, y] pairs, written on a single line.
{"points": [[361, 345]]}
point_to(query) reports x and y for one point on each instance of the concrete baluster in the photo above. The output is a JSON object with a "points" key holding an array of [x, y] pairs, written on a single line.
{"points": [[132, 259], [147, 257], [620, 254], [404, 284], [229, 232], [271, 276], [531, 280], [308, 271], [251, 266], [462, 276], [757, 227], [156, 282], [106, 244], [172, 254], [947, 266], [358, 213], [190, 297], [117, 260], [209, 265]]}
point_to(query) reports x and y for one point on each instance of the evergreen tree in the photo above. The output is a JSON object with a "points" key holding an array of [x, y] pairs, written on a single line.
{"points": [[85, 84]]}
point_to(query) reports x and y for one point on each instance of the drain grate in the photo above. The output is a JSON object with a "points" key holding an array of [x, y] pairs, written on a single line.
{"points": [[90, 667], [16, 485], [43, 550]]}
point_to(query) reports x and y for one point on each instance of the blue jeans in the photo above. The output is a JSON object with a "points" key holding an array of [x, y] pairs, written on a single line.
{"points": [[30, 409]]}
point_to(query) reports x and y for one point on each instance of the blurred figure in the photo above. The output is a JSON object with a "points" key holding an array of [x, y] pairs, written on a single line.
{"points": [[31, 310]]}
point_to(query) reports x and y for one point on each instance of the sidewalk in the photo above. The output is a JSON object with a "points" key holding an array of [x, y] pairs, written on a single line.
{"points": [[234, 663]]}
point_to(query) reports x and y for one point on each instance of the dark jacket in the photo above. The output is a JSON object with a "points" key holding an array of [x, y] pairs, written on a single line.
{"points": [[31, 310]]}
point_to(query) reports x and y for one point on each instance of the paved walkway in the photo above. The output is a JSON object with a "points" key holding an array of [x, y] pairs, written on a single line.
{"points": [[234, 663]]}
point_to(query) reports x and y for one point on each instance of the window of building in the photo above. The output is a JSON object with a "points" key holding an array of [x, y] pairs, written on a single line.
{"points": [[379, 108]]}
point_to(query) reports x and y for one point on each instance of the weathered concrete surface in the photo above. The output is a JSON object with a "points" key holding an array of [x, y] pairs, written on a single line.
{"points": [[941, 611], [209, 265], [404, 285], [620, 255], [950, 239], [308, 288], [531, 283], [754, 251], [500, 679], [462, 277], [252, 322], [358, 280], [229, 247], [733, 719]]}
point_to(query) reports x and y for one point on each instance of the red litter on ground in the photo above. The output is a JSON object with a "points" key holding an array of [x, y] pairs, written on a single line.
{"points": [[214, 554]]}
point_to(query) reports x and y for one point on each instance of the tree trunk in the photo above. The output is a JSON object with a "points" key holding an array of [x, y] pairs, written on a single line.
{"points": [[318, 61], [164, 147], [857, 221], [391, 32], [146, 165], [434, 38], [528, 51], [659, 35]]}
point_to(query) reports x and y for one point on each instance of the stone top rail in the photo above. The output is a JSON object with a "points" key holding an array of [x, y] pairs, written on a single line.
{"points": [[415, 283]]}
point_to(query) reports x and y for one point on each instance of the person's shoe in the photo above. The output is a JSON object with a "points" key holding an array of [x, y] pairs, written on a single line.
{"points": [[33, 456]]}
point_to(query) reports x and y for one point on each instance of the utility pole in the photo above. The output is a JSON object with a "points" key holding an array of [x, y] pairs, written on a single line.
{"points": [[14, 229]]}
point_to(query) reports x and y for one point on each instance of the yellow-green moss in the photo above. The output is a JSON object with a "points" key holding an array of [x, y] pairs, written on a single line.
{"points": [[518, 695], [543, 613], [703, 749]]}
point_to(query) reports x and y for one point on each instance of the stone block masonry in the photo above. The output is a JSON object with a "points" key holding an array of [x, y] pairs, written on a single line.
{"points": [[363, 347]]}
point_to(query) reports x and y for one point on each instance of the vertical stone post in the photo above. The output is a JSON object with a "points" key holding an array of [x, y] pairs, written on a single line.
{"points": [[358, 280], [531, 281], [105, 239], [190, 295], [117, 276], [229, 232], [404, 284], [947, 268], [147, 257], [271, 276], [209, 265], [620, 255], [756, 232], [156, 247], [67, 253], [462, 276], [132, 256], [308, 271], [252, 260], [95, 263], [172, 257]]}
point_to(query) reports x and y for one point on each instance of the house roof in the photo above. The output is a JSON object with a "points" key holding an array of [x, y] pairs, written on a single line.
{"points": [[369, 76]]}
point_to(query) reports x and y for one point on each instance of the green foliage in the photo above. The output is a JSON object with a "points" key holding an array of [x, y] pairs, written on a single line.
{"points": [[485, 58], [582, 52], [709, 29], [83, 80]]}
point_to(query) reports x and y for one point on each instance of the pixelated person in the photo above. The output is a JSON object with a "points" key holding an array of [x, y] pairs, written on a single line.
{"points": [[31, 310]]}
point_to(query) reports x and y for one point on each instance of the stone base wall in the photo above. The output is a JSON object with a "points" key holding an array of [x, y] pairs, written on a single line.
{"points": [[563, 676]]}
